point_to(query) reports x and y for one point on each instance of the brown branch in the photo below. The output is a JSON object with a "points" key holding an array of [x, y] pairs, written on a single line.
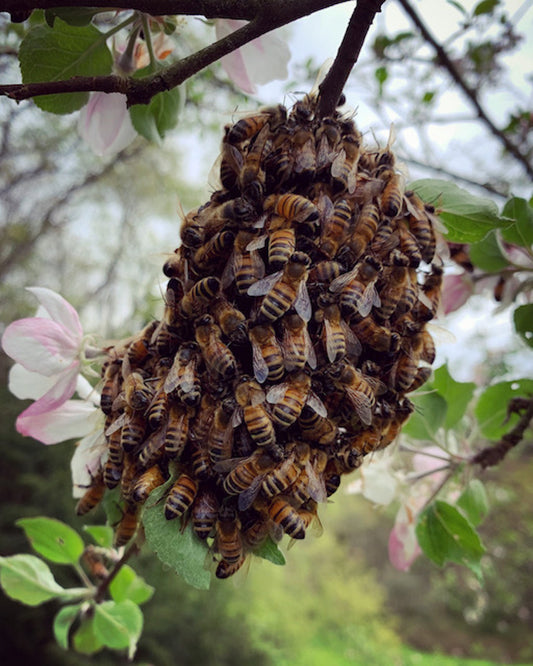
{"points": [[268, 16], [444, 60], [492, 455], [104, 585], [347, 55]]}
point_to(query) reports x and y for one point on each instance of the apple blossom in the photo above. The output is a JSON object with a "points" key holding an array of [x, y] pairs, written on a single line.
{"points": [[49, 350], [456, 290], [105, 124], [260, 61]]}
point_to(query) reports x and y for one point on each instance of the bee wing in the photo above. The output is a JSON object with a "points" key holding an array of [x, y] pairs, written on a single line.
{"points": [[260, 222], [259, 363], [316, 404], [353, 345], [330, 342], [247, 497], [172, 379], [116, 425], [440, 334], [324, 154], [302, 303], [257, 243], [263, 286], [325, 207], [368, 300], [236, 418], [310, 350], [289, 350], [361, 404], [186, 382], [316, 486], [276, 393], [340, 282], [352, 178], [338, 163], [226, 466], [213, 177], [305, 158], [228, 274]]}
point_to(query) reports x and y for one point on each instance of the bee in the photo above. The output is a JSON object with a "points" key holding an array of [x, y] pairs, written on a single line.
{"points": [[133, 431], [204, 512], [281, 246], [214, 251], [332, 477], [392, 195], [245, 265], [200, 461], [110, 389], [347, 459], [364, 230], [290, 397], [423, 373], [296, 345], [337, 337], [395, 280], [231, 161], [279, 163], [177, 430], [266, 354], [243, 472], [344, 166], [285, 473], [292, 207], [237, 213], [310, 483], [113, 470], [359, 389], [180, 496], [285, 289], [152, 448], [250, 398], [217, 356], [246, 127], [252, 177], [226, 569], [128, 478], [408, 244], [138, 394], [385, 239], [220, 439], [92, 496], [158, 410], [228, 539], [256, 532], [92, 558], [402, 412], [357, 288], [231, 321], [127, 526], [282, 513], [199, 296], [202, 423], [148, 481], [317, 428], [304, 154], [176, 264], [336, 228], [420, 225], [430, 295], [378, 337], [182, 377], [325, 272], [328, 138]]}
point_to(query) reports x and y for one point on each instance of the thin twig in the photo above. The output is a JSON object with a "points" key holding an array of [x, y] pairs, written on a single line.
{"points": [[101, 590], [444, 60]]}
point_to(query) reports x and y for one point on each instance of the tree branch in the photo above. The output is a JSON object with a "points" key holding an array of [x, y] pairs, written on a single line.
{"points": [[267, 17], [444, 60], [492, 455]]}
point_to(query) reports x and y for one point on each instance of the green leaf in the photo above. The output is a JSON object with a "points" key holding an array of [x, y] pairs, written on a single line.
{"points": [[128, 585], [428, 417], [491, 409], [445, 535], [428, 97], [62, 623], [456, 394], [53, 539], [521, 232], [118, 625], [85, 639], [523, 322], [457, 5], [269, 550], [474, 502], [381, 75], [179, 549], [61, 53], [113, 506], [102, 535], [28, 579], [467, 218], [153, 120], [487, 255], [485, 7], [78, 16]]}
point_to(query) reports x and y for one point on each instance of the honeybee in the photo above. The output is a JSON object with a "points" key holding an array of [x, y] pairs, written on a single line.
{"points": [[336, 228], [133, 431], [378, 337], [202, 423], [230, 163], [285, 473], [177, 430], [138, 394], [292, 207], [237, 213], [423, 373], [252, 177], [392, 195], [92, 558], [217, 356], [281, 246], [92, 495], [241, 473], [204, 512], [111, 387], [297, 346], [304, 154], [231, 321], [337, 337], [246, 127], [113, 465], [395, 280], [245, 265], [226, 569], [199, 296], [408, 244], [250, 398], [344, 166], [180, 496], [200, 461], [358, 388], [347, 459], [182, 377], [148, 481], [228, 540], [420, 225], [220, 439], [158, 410], [176, 264], [402, 412], [357, 288], [266, 354], [317, 428], [328, 138], [290, 397], [285, 289], [325, 272], [256, 532], [127, 526], [279, 163], [310, 484], [429, 297], [283, 513], [214, 251], [364, 231]]}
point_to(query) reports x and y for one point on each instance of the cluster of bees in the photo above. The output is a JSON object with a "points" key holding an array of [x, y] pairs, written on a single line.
{"points": [[294, 326]]}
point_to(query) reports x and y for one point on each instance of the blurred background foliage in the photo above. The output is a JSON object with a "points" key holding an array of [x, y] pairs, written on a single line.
{"points": [[337, 600]]}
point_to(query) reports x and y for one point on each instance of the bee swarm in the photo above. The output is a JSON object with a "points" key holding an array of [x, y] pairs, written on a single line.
{"points": [[294, 326]]}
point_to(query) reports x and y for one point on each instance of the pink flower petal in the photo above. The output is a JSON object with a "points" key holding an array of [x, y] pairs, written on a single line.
{"points": [[105, 124], [456, 290], [402, 551], [74, 418], [60, 392], [88, 457], [26, 385], [40, 345], [59, 309]]}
